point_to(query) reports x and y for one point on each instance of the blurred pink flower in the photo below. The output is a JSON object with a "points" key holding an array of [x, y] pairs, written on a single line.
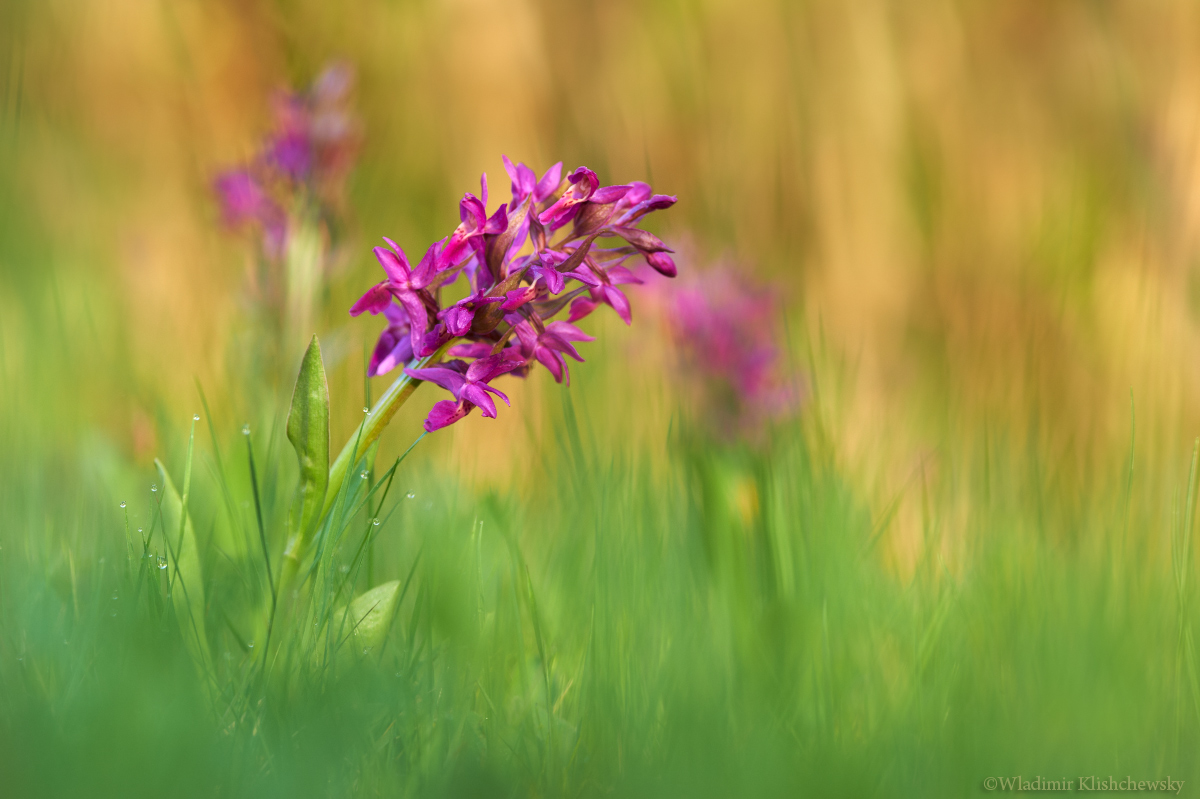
{"points": [[726, 330], [308, 153]]}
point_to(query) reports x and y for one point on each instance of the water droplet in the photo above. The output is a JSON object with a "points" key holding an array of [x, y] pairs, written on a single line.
{"points": [[344, 569], [250, 644], [412, 494], [366, 409], [154, 486], [363, 475], [115, 596], [162, 562], [375, 522], [245, 429], [366, 649], [122, 503], [113, 614], [139, 529], [195, 417]]}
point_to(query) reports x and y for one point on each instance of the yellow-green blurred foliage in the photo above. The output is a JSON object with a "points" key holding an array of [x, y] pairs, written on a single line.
{"points": [[985, 216]]}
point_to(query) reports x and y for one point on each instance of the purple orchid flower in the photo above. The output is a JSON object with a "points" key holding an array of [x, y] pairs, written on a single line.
{"points": [[547, 279], [468, 384], [585, 187], [549, 346], [505, 325], [395, 342], [406, 285], [525, 182], [474, 225], [243, 201], [459, 316], [639, 201]]}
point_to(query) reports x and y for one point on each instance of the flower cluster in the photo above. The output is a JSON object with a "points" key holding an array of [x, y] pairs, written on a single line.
{"points": [[524, 263], [725, 329], [307, 154]]}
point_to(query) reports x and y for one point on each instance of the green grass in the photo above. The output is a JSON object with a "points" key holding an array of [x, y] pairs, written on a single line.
{"points": [[628, 623]]}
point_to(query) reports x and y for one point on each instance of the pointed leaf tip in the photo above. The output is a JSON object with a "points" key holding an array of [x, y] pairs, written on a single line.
{"points": [[308, 430]]}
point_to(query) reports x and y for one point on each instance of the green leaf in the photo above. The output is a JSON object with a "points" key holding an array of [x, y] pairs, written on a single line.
{"points": [[183, 563], [308, 430], [369, 617]]}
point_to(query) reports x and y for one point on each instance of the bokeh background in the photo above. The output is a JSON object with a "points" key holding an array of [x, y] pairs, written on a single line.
{"points": [[982, 218], [986, 213]]}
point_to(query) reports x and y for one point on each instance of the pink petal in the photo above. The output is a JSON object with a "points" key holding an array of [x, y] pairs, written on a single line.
{"points": [[499, 221], [495, 391], [394, 348], [609, 194], [552, 361], [446, 413], [395, 264], [474, 349], [376, 300], [427, 268], [474, 393], [458, 319], [581, 307], [619, 303], [549, 182], [518, 297], [662, 263], [568, 331], [448, 379]]}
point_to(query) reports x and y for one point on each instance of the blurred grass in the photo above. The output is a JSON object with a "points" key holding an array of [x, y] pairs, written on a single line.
{"points": [[959, 562]]}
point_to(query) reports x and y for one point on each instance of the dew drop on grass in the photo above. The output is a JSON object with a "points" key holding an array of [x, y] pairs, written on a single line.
{"points": [[250, 644], [139, 529], [122, 503], [375, 522], [366, 649], [344, 569], [115, 595], [366, 409], [154, 486], [162, 562], [363, 475], [245, 429], [412, 494], [195, 417]]}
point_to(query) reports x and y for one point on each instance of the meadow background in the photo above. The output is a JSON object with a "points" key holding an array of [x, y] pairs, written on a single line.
{"points": [[968, 554]]}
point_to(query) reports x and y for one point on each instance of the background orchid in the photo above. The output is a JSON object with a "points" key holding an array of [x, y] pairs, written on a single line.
{"points": [[291, 195], [726, 329]]}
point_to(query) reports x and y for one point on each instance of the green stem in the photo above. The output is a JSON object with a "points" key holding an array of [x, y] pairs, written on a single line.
{"points": [[360, 441]]}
